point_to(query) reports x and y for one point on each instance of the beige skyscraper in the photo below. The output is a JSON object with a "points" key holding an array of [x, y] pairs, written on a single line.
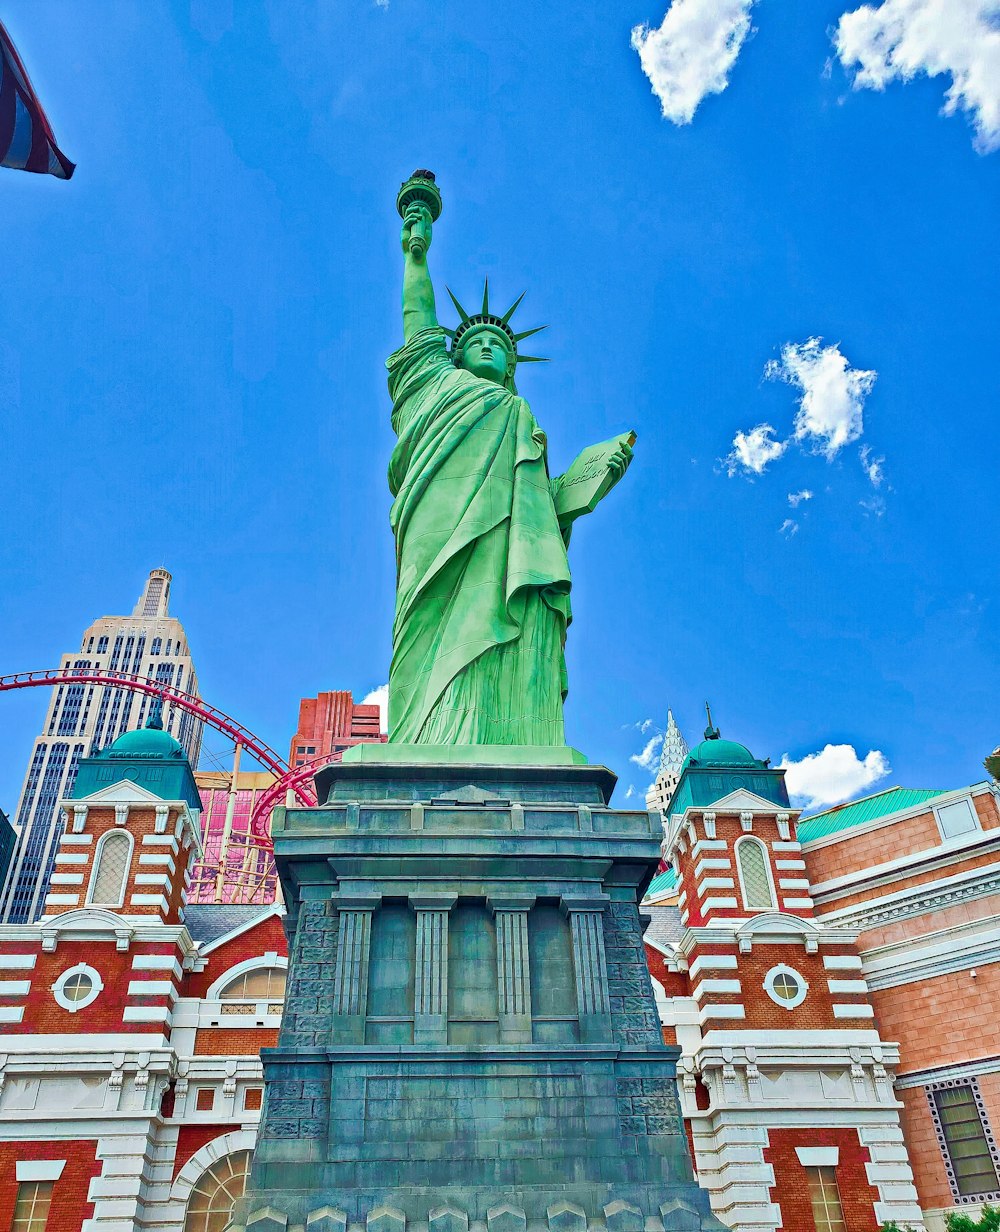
{"points": [[83, 718]]}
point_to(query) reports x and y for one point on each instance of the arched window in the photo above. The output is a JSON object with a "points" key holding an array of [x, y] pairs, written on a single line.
{"points": [[261, 990], [755, 879], [111, 865], [210, 1206], [261, 984]]}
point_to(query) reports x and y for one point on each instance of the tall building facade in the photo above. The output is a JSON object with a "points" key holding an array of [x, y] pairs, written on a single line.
{"points": [[84, 718], [330, 723], [668, 773]]}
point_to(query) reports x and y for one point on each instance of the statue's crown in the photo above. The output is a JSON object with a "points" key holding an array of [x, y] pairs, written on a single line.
{"points": [[469, 321]]}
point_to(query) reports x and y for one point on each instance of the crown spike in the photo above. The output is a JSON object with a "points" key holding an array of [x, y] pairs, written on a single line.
{"points": [[486, 297], [528, 332], [513, 308], [461, 311], [533, 359]]}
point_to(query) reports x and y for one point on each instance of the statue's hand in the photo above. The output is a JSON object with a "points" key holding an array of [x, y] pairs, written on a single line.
{"points": [[618, 462], [416, 233]]}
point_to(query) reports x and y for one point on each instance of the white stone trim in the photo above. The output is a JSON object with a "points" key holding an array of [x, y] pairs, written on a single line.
{"points": [[161, 840], [842, 962], [17, 962], [793, 883], [85, 839], [66, 879], [709, 844], [15, 988], [847, 986], [716, 883], [797, 904], [38, 1169], [713, 962], [719, 904], [781, 845], [853, 1011], [62, 900], [922, 899], [11, 1013], [160, 860], [147, 1013], [707, 864], [157, 962], [151, 988], [705, 987], [152, 879], [150, 900], [790, 865], [72, 857], [721, 1011], [818, 1156]]}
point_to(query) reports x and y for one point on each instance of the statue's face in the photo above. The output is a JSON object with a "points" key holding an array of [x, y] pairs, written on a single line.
{"points": [[485, 355]]}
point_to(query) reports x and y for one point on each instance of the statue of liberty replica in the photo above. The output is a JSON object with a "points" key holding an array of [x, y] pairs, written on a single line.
{"points": [[470, 1041], [483, 583]]}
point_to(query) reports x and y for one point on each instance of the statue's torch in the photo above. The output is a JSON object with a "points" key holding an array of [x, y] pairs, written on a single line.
{"points": [[419, 189]]}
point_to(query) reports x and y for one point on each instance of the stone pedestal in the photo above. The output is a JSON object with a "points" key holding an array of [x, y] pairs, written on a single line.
{"points": [[470, 1040]]}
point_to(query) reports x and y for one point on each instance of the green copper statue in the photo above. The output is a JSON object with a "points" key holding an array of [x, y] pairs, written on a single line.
{"points": [[483, 582]]}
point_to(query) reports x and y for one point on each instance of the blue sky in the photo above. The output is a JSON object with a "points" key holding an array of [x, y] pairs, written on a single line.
{"points": [[194, 330]]}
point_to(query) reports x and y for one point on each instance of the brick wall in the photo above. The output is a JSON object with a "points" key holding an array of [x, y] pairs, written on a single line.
{"points": [[191, 1138], [69, 1194], [857, 852], [933, 921], [942, 1020], [791, 1187], [929, 1173], [264, 938], [234, 1041]]}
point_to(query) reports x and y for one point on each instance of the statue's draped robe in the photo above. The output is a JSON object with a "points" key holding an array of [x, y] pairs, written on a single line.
{"points": [[482, 589]]}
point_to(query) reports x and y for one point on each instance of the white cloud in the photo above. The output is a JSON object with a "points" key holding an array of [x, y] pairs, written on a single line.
{"points": [[754, 451], [833, 775], [649, 758], [900, 39], [873, 466], [831, 409], [631, 791], [788, 528], [796, 498], [874, 507], [379, 697], [690, 54]]}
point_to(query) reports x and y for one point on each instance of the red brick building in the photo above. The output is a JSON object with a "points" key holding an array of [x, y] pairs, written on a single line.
{"points": [[330, 723]]}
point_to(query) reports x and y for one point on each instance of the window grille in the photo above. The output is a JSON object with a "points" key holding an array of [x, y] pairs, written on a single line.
{"points": [[210, 1206], [31, 1211], [752, 860], [969, 1151], [262, 984], [108, 886], [828, 1213]]}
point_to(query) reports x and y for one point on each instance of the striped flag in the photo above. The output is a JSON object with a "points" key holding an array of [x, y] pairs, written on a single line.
{"points": [[26, 139]]}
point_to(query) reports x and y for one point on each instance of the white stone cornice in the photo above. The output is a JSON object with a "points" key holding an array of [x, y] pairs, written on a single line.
{"points": [[769, 928], [954, 851], [981, 882], [963, 947]]}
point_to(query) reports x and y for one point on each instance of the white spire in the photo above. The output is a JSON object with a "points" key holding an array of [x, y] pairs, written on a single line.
{"points": [[674, 749], [672, 756]]}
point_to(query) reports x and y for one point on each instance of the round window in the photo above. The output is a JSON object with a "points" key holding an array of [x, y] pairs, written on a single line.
{"points": [[785, 987], [77, 987]]}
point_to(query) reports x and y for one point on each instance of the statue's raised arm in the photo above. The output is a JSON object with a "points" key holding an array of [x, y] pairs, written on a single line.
{"points": [[419, 205]]}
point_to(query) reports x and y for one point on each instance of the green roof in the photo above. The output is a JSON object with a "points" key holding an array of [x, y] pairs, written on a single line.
{"points": [[718, 752], [662, 883], [146, 742], [860, 812]]}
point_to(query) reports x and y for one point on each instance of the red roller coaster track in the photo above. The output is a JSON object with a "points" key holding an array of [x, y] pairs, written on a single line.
{"points": [[297, 780]]}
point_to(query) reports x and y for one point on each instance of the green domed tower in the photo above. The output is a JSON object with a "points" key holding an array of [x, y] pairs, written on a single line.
{"points": [[716, 767], [149, 757]]}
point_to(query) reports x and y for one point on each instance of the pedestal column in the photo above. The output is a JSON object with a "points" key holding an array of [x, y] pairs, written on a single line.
{"points": [[586, 918], [350, 981], [430, 985], [513, 973]]}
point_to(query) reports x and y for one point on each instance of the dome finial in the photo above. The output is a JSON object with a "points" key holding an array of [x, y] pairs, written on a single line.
{"points": [[155, 719], [711, 732]]}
